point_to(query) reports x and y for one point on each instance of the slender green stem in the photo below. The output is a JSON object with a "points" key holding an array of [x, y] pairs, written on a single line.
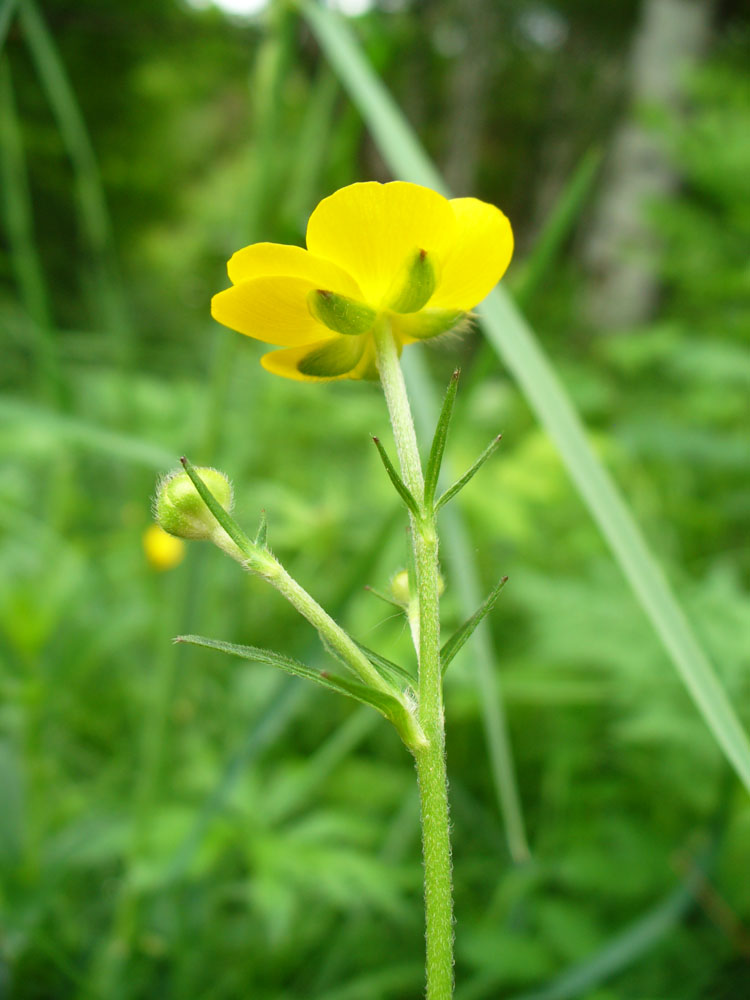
{"points": [[332, 634], [405, 436], [430, 759], [227, 535]]}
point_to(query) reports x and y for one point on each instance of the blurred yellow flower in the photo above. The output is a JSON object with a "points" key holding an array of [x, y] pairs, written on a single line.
{"points": [[393, 252], [163, 551]]}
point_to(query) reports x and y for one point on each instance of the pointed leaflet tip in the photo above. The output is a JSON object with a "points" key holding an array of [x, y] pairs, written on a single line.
{"points": [[460, 636], [467, 476], [397, 481], [435, 460]]}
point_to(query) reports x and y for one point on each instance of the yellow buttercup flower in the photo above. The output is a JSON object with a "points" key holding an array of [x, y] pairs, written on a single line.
{"points": [[162, 551], [396, 253]]}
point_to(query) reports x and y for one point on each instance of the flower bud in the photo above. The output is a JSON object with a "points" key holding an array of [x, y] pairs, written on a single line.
{"points": [[179, 509], [400, 588], [339, 313], [414, 284]]}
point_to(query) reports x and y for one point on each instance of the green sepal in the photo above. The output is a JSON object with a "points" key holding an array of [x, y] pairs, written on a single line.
{"points": [[414, 284], [225, 520], [401, 487], [262, 533], [388, 705], [488, 452], [435, 460], [340, 313], [459, 637], [337, 356], [427, 323]]}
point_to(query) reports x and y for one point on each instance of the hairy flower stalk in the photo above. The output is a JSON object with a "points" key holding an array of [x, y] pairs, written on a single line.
{"points": [[430, 759]]}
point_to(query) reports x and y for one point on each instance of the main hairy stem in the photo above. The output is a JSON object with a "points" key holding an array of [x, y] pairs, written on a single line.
{"points": [[430, 759]]}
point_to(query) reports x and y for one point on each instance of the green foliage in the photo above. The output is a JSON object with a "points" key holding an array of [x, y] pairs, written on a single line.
{"points": [[180, 824]]}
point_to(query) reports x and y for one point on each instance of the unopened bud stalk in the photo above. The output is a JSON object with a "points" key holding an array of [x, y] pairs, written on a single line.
{"points": [[195, 504]]}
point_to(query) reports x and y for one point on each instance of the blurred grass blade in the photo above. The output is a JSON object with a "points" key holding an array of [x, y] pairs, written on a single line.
{"points": [[17, 211], [7, 10], [95, 220], [384, 703], [312, 149], [62, 428], [515, 343], [403, 980], [393, 135], [550, 242], [621, 951], [435, 461], [465, 631], [529, 275], [277, 715]]}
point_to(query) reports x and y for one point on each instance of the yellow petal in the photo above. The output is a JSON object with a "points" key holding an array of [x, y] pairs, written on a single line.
{"points": [[287, 363], [477, 258], [262, 260], [272, 309], [370, 229]]}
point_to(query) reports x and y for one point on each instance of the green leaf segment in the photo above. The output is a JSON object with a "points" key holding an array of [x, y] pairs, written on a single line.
{"points": [[386, 704], [462, 634]]}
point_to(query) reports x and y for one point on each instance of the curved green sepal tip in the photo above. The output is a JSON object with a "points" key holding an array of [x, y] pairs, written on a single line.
{"points": [[414, 284]]}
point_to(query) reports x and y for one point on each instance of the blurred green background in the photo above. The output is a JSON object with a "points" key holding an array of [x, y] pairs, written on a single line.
{"points": [[178, 824]]}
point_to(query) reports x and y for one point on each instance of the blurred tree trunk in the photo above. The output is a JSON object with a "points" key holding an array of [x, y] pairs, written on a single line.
{"points": [[469, 86], [621, 250]]}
